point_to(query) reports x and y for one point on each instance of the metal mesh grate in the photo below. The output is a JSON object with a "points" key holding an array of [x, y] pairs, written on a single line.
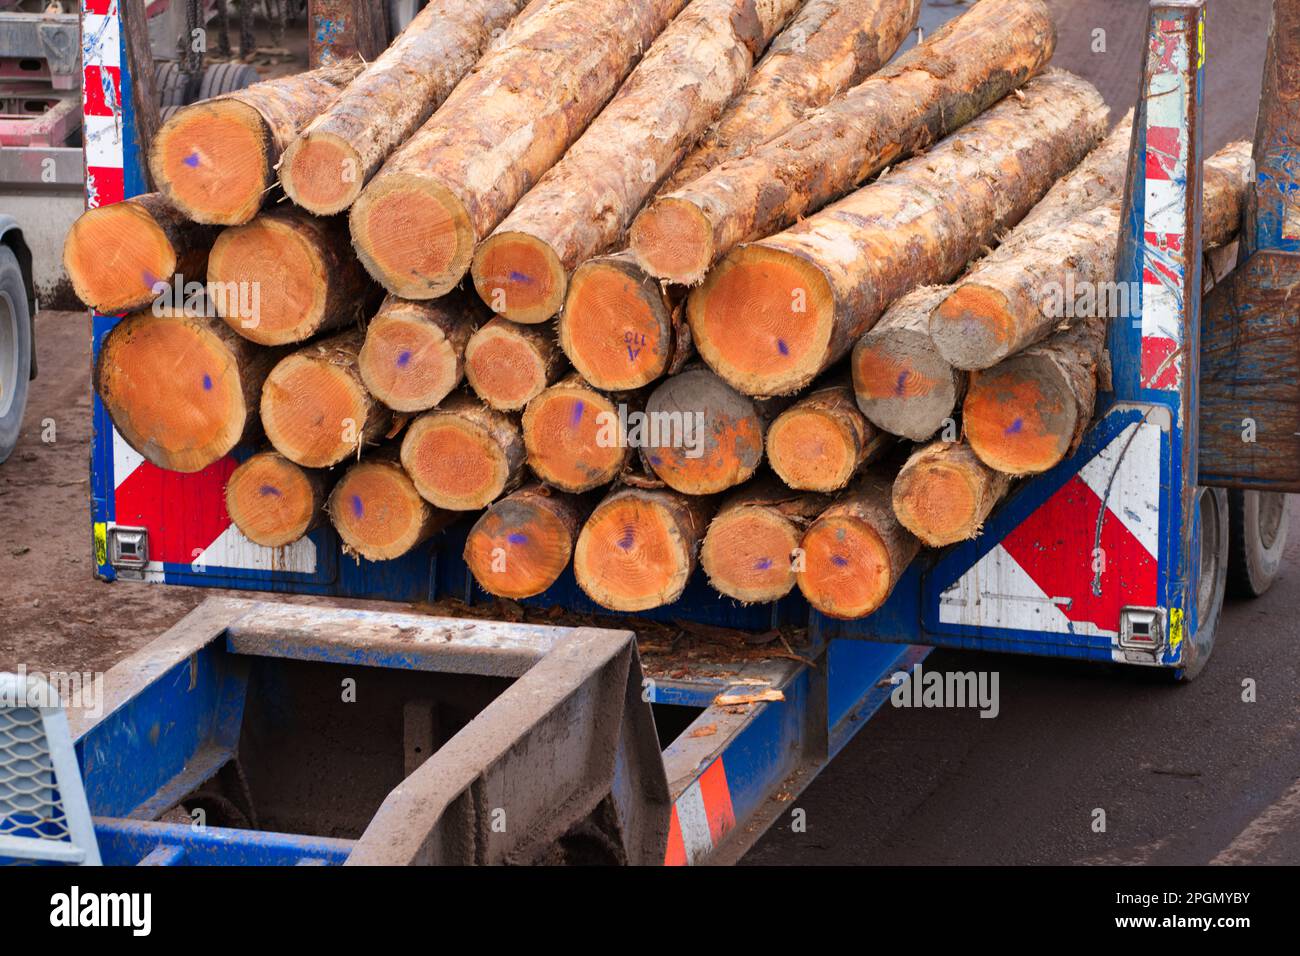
{"points": [[30, 805]]}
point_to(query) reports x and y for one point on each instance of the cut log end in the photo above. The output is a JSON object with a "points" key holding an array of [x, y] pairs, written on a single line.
{"points": [[378, 513], [505, 369], [455, 463], [322, 173], [519, 547], [944, 493], [763, 320], [408, 363], [701, 436], [286, 270], [272, 501], [519, 277], [1019, 420], [114, 255], [747, 554], [673, 240], [812, 449], [173, 389], [210, 161], [847, 572], [314, 411], [413, 235], [617, 332], [903, 385], [570, 440], [974, 327], [631, 555]]}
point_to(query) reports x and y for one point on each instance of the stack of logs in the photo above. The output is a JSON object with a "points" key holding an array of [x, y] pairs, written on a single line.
{"points": [[697, 238]]}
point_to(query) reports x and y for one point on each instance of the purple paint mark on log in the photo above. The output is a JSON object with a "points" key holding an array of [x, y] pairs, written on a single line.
{"points": [[269, 491], [656, 460], [519, 277], [150, 280], [1014, 427], [517, 538], [628, 539], [403, 358], [898, 386], [192, 160], [782, 347], [839, 562], [763, 564], [357, 508], [207, 383], [576, 418]]}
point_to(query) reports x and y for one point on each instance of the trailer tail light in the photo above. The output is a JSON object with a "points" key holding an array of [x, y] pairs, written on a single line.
{"points": [[128, 548], [1142, 628]]}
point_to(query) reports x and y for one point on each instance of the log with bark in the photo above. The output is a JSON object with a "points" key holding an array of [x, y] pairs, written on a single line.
{"points": [[959, 71], [523, 543], [217, 159], [416, 224], [775, 313], [274, 502], [944, 492], [414, 353], [820, 442], [828, 46], [328, 165], [315, 407], [116, 256], [638, 549], [463, 455], [583, 204], [344, 28], [749, 550], [181, 389], [508, 364], [378, 513], [286, 276], [620, 327], [856, 551], [573, 435]]}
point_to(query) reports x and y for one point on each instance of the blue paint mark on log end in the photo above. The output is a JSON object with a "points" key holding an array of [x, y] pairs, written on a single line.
{"points": [[517, 538], [358, 509], [402, 358]]}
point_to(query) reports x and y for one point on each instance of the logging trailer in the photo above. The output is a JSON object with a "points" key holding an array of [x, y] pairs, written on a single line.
{"points": [[482, 741]]}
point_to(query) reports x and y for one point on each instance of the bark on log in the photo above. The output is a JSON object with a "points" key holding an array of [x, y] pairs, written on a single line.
{"points": [[274, 502], [296, 271], [378, 513], [217, 159], [463, 455], [620, 327], [326, 168], [573, 436], [638, 549], [181, 389], [116, 255], [415, 225], [856, 551], [340, 29], [828, 46], [139, 55], [315, 407], [523, 543], [748, 552], [700, 436], [414, 352], [508, 364], [820, 442], [583, 205], [959, 71], [775, 313], [944, 492]]}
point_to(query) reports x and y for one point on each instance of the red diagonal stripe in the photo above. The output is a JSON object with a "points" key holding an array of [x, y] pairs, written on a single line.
{"points": [[164, 502]]}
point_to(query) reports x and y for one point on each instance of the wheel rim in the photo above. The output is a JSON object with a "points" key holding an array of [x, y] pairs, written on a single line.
{"points": [[1210, 553], [1272, 507], [9, 383]]}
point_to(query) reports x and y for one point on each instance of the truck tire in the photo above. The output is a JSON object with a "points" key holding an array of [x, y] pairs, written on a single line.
{"points": [[226, 78], [1258, 521], [170, 83], [15, 350], [1212, 508]]}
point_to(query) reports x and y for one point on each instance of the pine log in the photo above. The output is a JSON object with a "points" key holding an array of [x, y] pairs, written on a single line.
{"points": [[274, 502], [699, 435], [508, 364], [414, 353], [217, 159], [638, 549], [959, 71], [378, 513], [944, 492], [856, 551], [523, 543], [749, 549], [620, 327], [326, 168], [775, 313], [296, 270], [315, 407], [583, 205], [573, 437], [463, 455], [181, 389], [417, 222], [820, 442], [828, 46], [117, 255], [134, 22]]}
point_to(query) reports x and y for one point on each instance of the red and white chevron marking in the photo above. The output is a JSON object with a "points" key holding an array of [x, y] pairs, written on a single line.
{"points": [[701, 817], [1083, 554]]}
